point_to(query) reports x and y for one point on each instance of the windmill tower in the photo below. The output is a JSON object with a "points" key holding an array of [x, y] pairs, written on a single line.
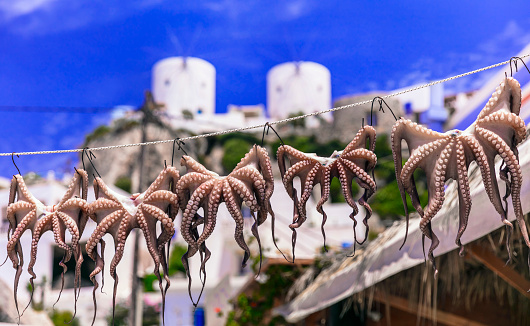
{"points": [[295, 87], [184, 85]]}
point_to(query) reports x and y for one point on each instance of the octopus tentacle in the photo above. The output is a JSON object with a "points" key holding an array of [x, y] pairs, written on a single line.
{"points": [[307, 185], [250, 182], [75, 187], [366, 182], [415, 136], [101, 229], [39, 218], [198, 197], [398, 130], [12, 250], [265, 168], [325, 185], [18, 273], [20, 207], [187, 185], [254, 180], [160, 200], [119, 244], [349, 164], [150, 239], [246, 195], [464, 195], [511, 120], [233, 205], [362, 153], [168, 176], [437, 183], [58, 232], [41, 226], [289, 176], [345, 182], [194, 166], [496, 143], [366, 133], [514, 168], [168, 230], [488, 176]]}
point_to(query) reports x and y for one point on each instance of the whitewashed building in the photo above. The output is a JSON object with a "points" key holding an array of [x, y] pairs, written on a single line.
{"points": [[50, 191], [295, 87], [184, 85]]}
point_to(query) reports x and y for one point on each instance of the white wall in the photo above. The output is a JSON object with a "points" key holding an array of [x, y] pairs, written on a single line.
{"points": [[184, 84], [298, 86]]}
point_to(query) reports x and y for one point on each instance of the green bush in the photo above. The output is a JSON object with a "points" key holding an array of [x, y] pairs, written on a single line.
{"points": [[97, 133], [255, 308], [234, 150], [175, 262], [60, 318], [174, 266], [124, 183]]}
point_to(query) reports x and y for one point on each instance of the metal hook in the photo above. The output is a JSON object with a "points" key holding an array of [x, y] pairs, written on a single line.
{"points": [[180, 143], [381, 101], [514, 59], [13, 159], [266, 128], [90, 155]]}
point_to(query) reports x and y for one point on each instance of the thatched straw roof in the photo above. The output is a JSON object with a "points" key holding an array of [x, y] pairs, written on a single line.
{"points": [[345, 276]]}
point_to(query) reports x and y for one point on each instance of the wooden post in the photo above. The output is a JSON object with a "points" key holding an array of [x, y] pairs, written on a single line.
{"points": [[135, 310], [499, 267], [425, 312]]}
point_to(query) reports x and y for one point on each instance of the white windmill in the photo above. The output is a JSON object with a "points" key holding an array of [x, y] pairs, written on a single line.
{"points": [[295, 87], [184, 85]]}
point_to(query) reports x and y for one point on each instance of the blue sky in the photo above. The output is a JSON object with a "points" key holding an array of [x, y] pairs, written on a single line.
{"points": [[93, 55]]}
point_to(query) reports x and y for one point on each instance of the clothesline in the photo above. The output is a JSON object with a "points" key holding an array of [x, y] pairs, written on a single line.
{"points": [[228, 131]]}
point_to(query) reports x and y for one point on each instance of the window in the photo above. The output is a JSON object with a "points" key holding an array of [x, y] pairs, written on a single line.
{"points": [[86, 268]]}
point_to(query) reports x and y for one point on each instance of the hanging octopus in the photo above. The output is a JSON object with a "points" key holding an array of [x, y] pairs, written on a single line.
{"points": [[118, 215], [25, 212], [443, 156], [355, 162], [250, 182]]}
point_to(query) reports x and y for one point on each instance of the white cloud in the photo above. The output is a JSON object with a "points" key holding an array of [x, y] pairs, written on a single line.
{"points": [[10, 9], [37, 17], [295, 9], [499, 47]]}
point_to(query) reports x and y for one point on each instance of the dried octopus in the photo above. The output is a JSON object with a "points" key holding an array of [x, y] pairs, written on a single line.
{"points": [[250, 182], [355, 162], [443, 156], [25, 212], [118, 215]]}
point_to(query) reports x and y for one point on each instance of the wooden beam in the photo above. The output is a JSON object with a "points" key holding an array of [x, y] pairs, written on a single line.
{"points": [[498, 266], [283, 261], [425, 312]]}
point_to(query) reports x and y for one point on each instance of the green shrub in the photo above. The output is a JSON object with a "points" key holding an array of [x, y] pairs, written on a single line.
{"points": [[234, 150], [60, 318]]}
